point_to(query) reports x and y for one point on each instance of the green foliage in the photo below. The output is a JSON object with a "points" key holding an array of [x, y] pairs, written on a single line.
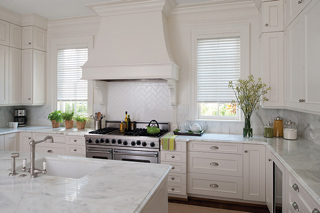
{"points": [[56, 115], [249, 93], [67, 115], [80, 118]]}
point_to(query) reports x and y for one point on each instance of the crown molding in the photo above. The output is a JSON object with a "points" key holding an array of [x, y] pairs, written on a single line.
{"points": [[10, 16], [33, 19]]}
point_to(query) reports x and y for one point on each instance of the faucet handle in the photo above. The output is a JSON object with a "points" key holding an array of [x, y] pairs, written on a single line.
{"points": [[14, 155]]}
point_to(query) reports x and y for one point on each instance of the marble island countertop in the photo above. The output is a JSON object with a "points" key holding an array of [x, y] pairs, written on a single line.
{"points": [[301, 157], [116, 186], [46, 129]]}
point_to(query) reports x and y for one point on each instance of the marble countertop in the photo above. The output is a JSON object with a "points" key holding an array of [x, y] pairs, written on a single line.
{"points": [[117, 186], [46, 129], [301, 157]]}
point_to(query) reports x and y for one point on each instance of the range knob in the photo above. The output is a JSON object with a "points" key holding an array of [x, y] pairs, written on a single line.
{"points": [[144, 143], [107, 140], [133, 143], [113, 141], [97, 140], [101, 140], [90, 140], [119, 141], [152, 144], [125, 143], [138, 142]]}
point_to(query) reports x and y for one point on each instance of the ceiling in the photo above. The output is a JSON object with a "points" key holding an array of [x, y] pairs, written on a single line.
{"points": [[58, 9]]}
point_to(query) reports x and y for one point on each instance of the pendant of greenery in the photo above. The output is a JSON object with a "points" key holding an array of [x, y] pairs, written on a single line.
{"points": [[248, 94]]}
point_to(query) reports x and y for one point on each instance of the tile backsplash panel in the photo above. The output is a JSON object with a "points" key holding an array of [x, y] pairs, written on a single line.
{"points": [[6, 115], [143, 101]]}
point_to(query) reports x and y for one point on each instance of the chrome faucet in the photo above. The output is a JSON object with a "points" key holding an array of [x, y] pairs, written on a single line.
{"points": [[33, 171]]}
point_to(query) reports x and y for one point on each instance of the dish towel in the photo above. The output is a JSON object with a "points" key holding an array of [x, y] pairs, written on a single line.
{"points": [[168, 142]]}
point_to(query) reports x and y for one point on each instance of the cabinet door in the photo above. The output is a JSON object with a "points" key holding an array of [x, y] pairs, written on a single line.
{"points": [[4, 68], [269, 181], [4, 33], [27, 80], [39, 66], [25, 138], [39, 39], [272, 16], [10, 142], [15, 76], [312, 59], [15, 36], [27, 35], [295, 75], [272, 67], [1, 142], [254, 172]]}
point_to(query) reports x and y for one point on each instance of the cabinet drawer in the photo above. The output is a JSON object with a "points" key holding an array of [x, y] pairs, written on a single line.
{"points": [[56, 138], [173, 156], [76, 150], [215, 147], [175, 178], [179, 147], [176, 167], [213, 163], [295, 204], [215, 185], [178, 189], [76, 140], [51, 150]]}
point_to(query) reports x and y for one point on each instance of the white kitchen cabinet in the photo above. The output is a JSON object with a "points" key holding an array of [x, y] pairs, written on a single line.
{"points": [[272, 68], [14, 82], [15, 36], [1, 142], [269, 180], [254, 172], [33, 77], [292, 8], [76, 146], [4, 74], [57, 147], [4, 33], [34, 38], [10, 142], [25, 138], [272, 16]]}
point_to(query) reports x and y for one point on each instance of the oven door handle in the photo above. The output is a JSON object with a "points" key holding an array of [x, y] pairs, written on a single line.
{"points": [[101, 151], [152, 154]]}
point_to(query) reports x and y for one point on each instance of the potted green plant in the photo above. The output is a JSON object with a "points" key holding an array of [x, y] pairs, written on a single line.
{"points": [[81, 121], [55, 117], [67, 117], [248, 94]]}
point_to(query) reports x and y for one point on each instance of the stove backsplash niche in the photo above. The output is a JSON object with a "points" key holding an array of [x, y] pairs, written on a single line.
{"points": [[143, 100]]}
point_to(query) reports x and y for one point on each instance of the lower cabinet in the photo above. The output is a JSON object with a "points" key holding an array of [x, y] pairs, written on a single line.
{"points": [[1, 142], [25, 138], [10, 142]]}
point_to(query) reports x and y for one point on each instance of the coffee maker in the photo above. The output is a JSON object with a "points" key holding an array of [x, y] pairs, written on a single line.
{"points": [[20, 116]]}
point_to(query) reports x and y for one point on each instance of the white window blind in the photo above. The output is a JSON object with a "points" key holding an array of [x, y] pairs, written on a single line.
{"points": [[69, 85], [218, 62]]}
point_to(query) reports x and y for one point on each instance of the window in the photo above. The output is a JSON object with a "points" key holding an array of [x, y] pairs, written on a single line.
{"points": [[218, 62], [72, 92]]}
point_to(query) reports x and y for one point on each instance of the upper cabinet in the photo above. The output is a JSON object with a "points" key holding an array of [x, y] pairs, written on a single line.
{"points": [[4, 33], [4, 71], [302, 60], [34, 37], [271, 16], [292, 8], [15, 36]]}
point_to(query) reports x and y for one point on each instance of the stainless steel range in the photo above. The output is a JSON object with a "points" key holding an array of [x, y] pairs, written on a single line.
{"points": [[136, 145]]}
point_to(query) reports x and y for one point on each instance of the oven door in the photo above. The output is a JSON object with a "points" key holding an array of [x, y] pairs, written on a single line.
{"points": [[136, 156], [100, 152]]}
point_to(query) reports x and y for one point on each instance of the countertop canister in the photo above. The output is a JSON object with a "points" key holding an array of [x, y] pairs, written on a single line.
{"points": [[290, 131], [278, 127]]}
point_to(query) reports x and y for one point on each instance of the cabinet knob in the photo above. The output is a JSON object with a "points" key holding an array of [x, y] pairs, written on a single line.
{"points": [[295, 206], [269, 159], [172, 178], [267, 99], [246, 151], [214, 164], [266, 25], [315, 211], [172, 167], [75, 141], [295, 187], [50, 151], [29, 99], [75, 150], [299, 2], [29, 43], [29, 138], [172, 189], [172, 156], [214, 185], [214, 148]]}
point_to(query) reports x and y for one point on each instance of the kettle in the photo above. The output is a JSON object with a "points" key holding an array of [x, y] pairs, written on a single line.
{"points": [[153, 127]]}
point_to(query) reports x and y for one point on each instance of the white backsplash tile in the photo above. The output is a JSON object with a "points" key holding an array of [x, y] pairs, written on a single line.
{"points": [[6, 115]]}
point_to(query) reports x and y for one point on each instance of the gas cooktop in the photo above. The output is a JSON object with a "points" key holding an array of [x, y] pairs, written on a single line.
{"points": [[136, 132]]}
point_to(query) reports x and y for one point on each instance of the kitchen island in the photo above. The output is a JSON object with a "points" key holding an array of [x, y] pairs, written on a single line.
{"points": [[116, 186]]}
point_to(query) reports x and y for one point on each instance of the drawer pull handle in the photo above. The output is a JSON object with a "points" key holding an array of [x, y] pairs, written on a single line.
{"points": [[172, 178], [214, 185], [75, 141], [29, 138], [214, 164], [295, 206], [315, 211], [50, 151], [75, 150], [295, 187], [214, 148], [172, 156], [172, 189], [173, 167]]}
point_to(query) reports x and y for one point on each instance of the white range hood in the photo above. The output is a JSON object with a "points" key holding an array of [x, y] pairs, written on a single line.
{"points": [[132, 42]]}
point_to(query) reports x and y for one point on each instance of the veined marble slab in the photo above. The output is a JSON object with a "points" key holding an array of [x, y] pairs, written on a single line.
{"points": [[117, 186], [49, 130]]}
